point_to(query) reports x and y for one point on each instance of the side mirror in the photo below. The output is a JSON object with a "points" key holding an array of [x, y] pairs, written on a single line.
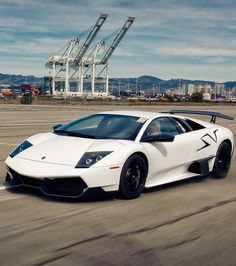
{"points": [[158, 138], [56, 126]]}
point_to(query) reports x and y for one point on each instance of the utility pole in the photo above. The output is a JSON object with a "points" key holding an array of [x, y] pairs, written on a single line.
{"points": [[119, 87]]}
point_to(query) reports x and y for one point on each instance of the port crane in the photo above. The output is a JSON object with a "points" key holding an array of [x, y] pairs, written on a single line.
{"points": [[90, 38], [100, 57], [120, 35], [72, 54], [84, 61]]}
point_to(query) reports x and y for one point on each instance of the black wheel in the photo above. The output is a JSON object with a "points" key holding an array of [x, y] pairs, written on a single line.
{"points": [[222, 161], [133, 177]]}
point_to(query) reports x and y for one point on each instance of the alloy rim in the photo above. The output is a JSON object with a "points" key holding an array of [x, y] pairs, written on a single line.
{"points": [[133, 177], [224, 161]]}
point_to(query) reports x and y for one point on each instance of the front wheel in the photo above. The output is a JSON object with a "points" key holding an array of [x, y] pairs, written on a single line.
{"points": [[222, 161], [133, 177]]}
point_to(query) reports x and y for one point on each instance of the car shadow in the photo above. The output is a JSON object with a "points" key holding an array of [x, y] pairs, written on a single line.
{"points": [[83, 199], [100, 197]]}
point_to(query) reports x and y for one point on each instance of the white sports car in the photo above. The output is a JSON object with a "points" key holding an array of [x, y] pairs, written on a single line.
{"points": [[123, 151]]}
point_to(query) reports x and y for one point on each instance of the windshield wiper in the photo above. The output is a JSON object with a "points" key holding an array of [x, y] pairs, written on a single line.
{"points": [[60, 131], [74, 134], [77, 134]]}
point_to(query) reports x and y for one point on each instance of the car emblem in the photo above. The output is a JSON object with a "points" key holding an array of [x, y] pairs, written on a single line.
{"points": [[43, 158]]}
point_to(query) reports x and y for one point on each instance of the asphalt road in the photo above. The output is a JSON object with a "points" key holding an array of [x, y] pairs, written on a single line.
{"points": [[191, 222]]}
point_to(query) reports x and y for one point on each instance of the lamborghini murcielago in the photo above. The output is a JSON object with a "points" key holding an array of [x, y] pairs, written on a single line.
{"points": [[123, 151]]}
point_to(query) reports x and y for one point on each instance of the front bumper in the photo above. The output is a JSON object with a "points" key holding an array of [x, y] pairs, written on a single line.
{"points": [[93, 177], [73, 187]]}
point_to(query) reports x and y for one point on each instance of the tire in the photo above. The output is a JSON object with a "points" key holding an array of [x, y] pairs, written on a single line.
{"points": [[222, 161], [133, 177]]}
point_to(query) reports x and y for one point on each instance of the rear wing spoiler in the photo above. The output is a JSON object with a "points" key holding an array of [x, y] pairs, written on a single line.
{"points": [[195, 112]]}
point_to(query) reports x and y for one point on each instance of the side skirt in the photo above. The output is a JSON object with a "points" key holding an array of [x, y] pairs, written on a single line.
{"points": [[201, 166]]}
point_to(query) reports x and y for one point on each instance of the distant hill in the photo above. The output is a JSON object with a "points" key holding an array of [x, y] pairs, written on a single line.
{"points": [[148, 82], [143, 82], [230, 84], [146, 78], [20, 79]]}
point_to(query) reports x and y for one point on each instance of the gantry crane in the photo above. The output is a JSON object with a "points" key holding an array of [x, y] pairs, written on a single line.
{"points": [[102, 59], [65, 58], [120, 35], [62, 60], [90, 38]]}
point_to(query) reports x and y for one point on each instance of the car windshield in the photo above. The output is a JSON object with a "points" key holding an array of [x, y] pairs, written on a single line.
{"points": [[104, 126]]}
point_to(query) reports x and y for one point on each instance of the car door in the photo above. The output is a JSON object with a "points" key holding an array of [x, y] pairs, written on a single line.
{"points": [[168, 161]]}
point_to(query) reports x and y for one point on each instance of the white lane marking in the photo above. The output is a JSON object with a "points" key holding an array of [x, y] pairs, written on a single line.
{"points": [[8, 187], [10, 198], [28, 124], [8, 144]]}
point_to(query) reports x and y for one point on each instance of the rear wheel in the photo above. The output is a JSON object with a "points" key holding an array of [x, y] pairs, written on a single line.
{"points": [[133, 177], [222, 161]]}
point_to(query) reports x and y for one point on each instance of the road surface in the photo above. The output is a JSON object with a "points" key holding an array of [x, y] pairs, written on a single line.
{"points": [[191, 222]]}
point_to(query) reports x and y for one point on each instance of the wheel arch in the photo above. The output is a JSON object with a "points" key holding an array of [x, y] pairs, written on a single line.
{"points": [[221, 166], [143, 156], [228, 141]]}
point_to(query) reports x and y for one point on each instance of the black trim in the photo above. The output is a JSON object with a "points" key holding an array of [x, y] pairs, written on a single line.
{"points": [[196, 112], [194, 125], [64, 187], [71, 187], [200, 167]]}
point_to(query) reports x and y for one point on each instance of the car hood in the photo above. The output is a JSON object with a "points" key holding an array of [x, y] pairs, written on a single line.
{"points": [[66, 150]]}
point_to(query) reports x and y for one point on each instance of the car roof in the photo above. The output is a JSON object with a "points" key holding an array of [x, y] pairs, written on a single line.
{"points": [[134, 113], [149, 115]]}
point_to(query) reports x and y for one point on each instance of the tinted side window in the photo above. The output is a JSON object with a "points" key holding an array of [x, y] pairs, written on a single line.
{"points": [[183, 124], [161, 125], [194, 125]]}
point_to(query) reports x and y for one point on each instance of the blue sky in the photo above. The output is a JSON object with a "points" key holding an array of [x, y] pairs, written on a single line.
{"points": [[169, 38]]}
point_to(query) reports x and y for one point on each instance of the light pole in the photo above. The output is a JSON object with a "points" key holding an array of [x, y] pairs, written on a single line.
{"points": [[119, 87]]}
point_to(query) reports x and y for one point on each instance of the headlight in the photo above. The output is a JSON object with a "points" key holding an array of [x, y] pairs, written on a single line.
{"points": [[90, 158], [23, 146]]}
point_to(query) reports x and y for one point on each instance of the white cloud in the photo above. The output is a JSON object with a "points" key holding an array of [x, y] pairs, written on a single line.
{"points": [[189, 51], [35, 47], [166, 35]]}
